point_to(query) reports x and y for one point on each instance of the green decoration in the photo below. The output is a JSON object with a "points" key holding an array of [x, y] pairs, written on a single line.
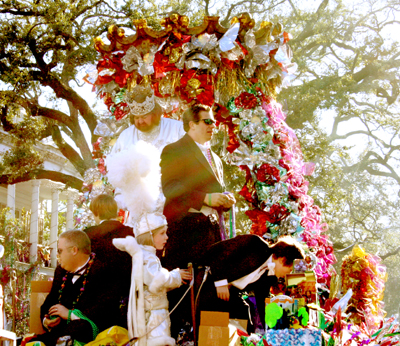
{"points": [[322, 321], [303, 316], [79, 314], [273, 312]]}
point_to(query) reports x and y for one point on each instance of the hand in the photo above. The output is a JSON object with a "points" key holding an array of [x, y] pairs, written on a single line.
{"points": [[51, 323], [223, 292], [220, 200], [59, 310], [231, 199], [186, 275]]}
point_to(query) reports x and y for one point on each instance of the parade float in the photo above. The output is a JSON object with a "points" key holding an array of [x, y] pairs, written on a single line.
{"points": [[239, 71]]}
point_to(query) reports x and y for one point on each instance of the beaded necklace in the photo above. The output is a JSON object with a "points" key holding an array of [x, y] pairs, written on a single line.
{"points": [[64, 279]]}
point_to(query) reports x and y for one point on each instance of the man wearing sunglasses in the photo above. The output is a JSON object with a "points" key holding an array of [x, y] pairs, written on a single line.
{"points": [[192, 182]]}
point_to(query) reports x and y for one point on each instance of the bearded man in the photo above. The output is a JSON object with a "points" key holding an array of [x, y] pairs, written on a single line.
{"points": [[147, 123], [150, 126]]}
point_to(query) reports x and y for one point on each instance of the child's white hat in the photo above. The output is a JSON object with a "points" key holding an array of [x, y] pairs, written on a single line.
{"points": [[149, 222]]}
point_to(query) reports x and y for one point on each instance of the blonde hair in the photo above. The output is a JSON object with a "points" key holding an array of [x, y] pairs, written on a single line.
{"points": [[147, 238]]}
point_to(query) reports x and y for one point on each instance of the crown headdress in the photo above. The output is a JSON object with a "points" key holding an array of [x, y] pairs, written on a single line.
{"points": [[140, 108]]}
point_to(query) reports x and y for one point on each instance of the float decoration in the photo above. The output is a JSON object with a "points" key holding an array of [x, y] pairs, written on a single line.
{"points": [[239, 71]]}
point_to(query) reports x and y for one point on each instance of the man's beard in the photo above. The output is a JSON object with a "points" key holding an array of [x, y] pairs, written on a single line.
{"points": [[148, 127]]}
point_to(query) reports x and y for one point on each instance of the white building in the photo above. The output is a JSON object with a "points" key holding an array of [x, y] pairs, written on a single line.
{"points": [[29, 195]]}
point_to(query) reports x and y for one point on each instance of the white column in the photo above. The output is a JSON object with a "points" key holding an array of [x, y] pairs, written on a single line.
{"points": [[11, 199], [34, 227], [54, 227], [70, 212]]}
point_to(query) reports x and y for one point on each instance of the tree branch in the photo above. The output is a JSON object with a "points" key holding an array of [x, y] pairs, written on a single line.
{"points": [[68, 180], [391, 253], [80, 164]]}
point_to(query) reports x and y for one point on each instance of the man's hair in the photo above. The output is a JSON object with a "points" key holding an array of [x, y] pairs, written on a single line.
{"points": [[193, 114], [147, 238], [104, 206], [77, 238], [289, 249]]}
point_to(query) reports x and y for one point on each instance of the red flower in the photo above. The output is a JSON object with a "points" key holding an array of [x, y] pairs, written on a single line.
{"points": [[162, 62], [250, 196], [121, 215], [246, 100], [259, 219], [114, 63], [102, 166], [268, 174], [199, 87], [277, 213], [96, 153], [227, 120], [120, 110]]}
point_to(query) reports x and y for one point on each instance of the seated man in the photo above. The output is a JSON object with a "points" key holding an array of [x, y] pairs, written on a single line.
{"points": [[116, 264], [248, 263], [78, 305]]}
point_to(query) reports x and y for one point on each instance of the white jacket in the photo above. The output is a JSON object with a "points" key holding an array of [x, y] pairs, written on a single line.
{"points": [[148, 318]]}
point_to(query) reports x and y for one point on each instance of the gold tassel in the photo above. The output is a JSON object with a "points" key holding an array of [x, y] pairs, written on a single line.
{"points": [[227, 83], [268, 86], [131, 82]]}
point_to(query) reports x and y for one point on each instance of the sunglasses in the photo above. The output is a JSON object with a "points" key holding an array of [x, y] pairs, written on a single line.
{"points": [[207, 121]]}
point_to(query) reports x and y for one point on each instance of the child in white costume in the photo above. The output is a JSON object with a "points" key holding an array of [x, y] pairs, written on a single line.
{"points": [[136, 172], [148, 318]]}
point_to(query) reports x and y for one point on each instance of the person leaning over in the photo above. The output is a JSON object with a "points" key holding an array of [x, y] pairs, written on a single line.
{"points": [[245, 263]]}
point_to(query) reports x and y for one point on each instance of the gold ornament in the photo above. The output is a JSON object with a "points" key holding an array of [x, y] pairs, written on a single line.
{"points": [[175, 55], [193, 87], [184, 21], [169, 83], [278, 28], [194, 83], [131, 82], [264, 34], [174, 18]]}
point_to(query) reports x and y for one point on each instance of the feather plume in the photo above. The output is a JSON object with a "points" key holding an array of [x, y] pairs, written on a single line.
{"points": [[136, 172]]}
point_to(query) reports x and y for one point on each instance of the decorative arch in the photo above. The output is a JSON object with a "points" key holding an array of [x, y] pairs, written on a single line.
{"points": [[239, 71]]}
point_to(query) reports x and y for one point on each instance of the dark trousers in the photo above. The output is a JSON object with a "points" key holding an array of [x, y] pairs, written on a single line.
{"points": [[79, 330], [188, 241]]}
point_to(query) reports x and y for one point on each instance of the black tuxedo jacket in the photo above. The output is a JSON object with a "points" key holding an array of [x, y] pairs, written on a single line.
{"points": [[233, 259], [115, 261], [98, 302], [186, 178]]}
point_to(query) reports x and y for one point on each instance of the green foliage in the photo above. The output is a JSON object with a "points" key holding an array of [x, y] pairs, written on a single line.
{"points": [[14, 236]]}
